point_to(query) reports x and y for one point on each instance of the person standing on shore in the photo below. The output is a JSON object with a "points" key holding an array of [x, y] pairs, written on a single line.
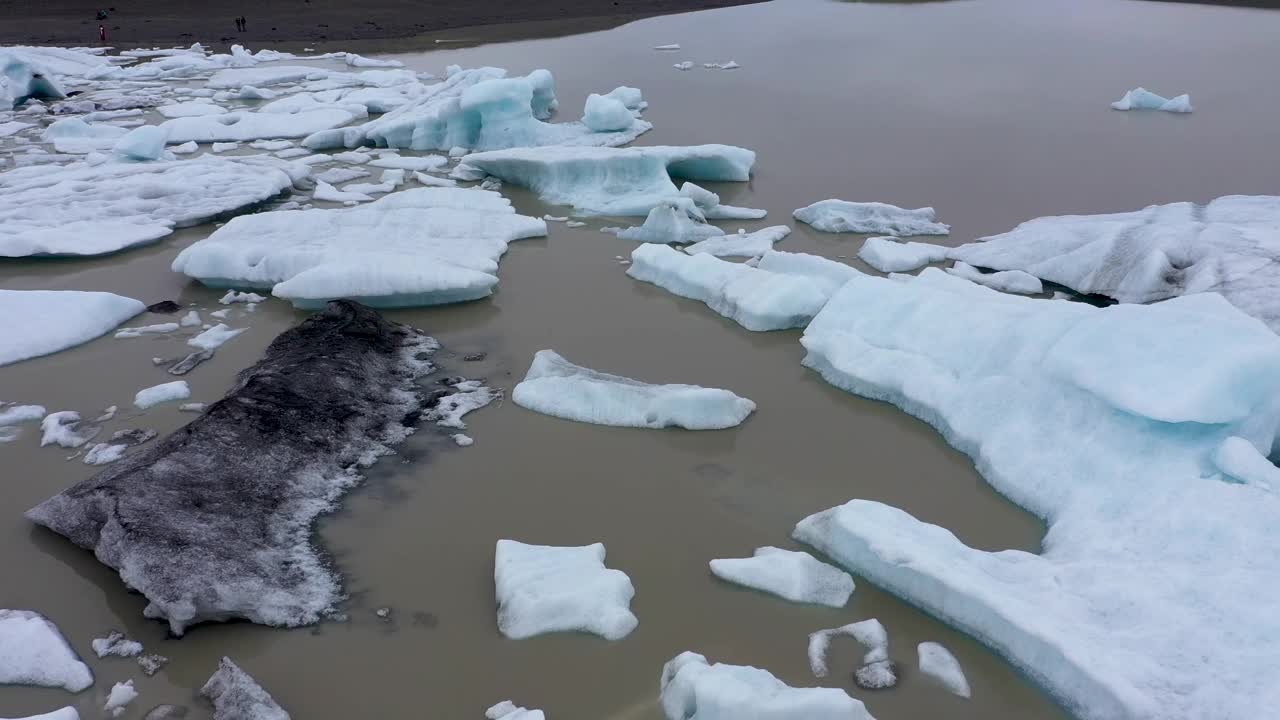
{"points": [[102, 32]]}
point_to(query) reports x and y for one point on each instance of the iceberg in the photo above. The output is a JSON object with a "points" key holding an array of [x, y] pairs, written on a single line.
{"points": [[606, 114], [231, 535], [1010, 281], [95, 210], [609, 181], [693, 689], [422, 246], [544, 588], [743, 244], [554, 386], [671, 222], [141, 144], [507, 710], [1106, 422], [237, 696], [23, 77], [166, 392], [938, 663], [755, 299], [40, 322], [33, 652], [888, 255], [1230, 246], [239, 126], [791, 575], [841, 216], [1144, 99]]}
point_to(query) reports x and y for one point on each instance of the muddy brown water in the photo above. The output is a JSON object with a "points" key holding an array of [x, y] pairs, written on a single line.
{"points": [[993, 112]]}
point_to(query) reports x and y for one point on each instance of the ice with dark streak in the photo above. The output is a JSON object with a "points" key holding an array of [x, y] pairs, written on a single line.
{"points": [[214, 522], [237, 696]]}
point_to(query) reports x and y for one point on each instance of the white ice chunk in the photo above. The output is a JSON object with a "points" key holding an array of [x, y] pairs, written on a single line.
{"points": [[606, 114], [630, 97], [18, 414], [63, 429], [401, 162], [1107, 423], [249, 92], [421, 246], [794, 576], [40, 322], [237, 696], [235, 78], [888, 255], [122, 693], [672, 46], [671, 222], [684, 65], [116, 644], [355, 60], [33, 652], [142, 143], [755, 299], [185, 148], [462, 439], [556, 387], [74, 135], [938, 663], [507, 710], [870, 217], [166, 392], [233, 297], [191, 319], [1143, 99], [693, 689], [214, 337], [333, 176], [223, 146], [469, 395], [1010, 281], [743, 244], [870, 633], [433, 181], [327, 193], [104, 453], [544, 588]]}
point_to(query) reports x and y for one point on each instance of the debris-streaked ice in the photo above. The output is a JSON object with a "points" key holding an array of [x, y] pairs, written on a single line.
{"points": [[888, 255], [937, 662], [544, 588], [39, 322], [555, 386], [1107, 423], [237, 696], [33, 652], [693, 689], [116, 644], [842, 216], [795, 576]]}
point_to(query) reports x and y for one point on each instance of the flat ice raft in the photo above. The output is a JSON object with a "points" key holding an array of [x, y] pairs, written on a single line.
{"points": [[1230, 246], [214, 521], [544, 588], [94, 210], [555, 386], [39, 322], [1126, 429], [424, 246]]}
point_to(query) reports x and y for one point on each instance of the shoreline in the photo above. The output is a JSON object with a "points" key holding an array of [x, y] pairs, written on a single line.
{"points": [[381, 25]]}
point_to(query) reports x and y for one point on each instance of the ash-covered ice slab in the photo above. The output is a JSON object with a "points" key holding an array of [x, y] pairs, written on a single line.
{"points": [[214, 521], [1230, 246], [95, 210], [237, 696]]}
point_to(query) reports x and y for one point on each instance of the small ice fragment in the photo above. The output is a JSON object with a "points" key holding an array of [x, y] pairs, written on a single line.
{"points": [[877, 675], [353, 157], [165, 392], [795, 576], [191, 319], [152, 663], [507, 710], [122, 694], [468, 395], [686, 65], [240, 297], [220, 314], [462, 439], [116, 644], [433, 181], [63, 429], [1010, 281], [34, 652], [237, 696], [605, 114], [575, 224], [147, 330], [870, 633], [102, 453], [223, 146], [555, 218], [16, 414], [185, 148], [672, 46], [214, 337], [191, 407], [938, 663], [691, 687], [743, 244], [672, 221]]}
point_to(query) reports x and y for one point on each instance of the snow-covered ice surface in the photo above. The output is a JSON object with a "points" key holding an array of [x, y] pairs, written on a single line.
{"points": [[610, 181], [937, 662], [1010, 281], [507, 710], [693, 689], [870, 633], [94, 210], [544, 588], [39, 322], [327, 399], [422, 246], [742, 244], [165, 392], [792, 575], [1108, 424], [33, 652], [116, 644], [237, 696], [888, 255], [754, 298], [1230, 246], [842, 216], [555, 386], [1144, 99]]}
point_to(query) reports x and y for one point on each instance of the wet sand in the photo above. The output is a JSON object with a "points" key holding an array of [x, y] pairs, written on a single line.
{"points": [[990, 126]]}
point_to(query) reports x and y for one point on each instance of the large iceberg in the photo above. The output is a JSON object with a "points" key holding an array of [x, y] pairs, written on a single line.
{"points": [[544, 588], [842, 216], [1230, 246], [39, 322], [215, 521], [754, 298], [611, 181], [94, 210], [693, 689], [557, 387], [33, 652], [1108, 423], [422, 246]]}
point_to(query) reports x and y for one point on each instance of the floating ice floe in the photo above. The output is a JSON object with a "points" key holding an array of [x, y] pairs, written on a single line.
{"points": [[158, 329], [1109, 424], [1010, 281], [104, 453], [606, 114], [142, 144], [755, 299], [399, 162], [672, 46], [938, 663], [708, 203], [40, 322], [554, 386], [468, 396], [610, 181], [166, 392], [237, 696], [66, 713], [122, 693], [543, 588], [11, 416], [743, 244], [630, 97], [328, 193], [670, 222], [422, 246], [888, 255], [729, 65], [74, 135], [333, 176], [214, 337], [794, 576], [33, 652], [240, 126], [507, 710], [693, 689], [355, 60], [64, 429], [116, 644], [233, 297], [23, 76], [685, 65], [80, 210], [236, 78], [327, 399], [1143, 99], [1230, 246], [841, 216], [870, 633]]}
